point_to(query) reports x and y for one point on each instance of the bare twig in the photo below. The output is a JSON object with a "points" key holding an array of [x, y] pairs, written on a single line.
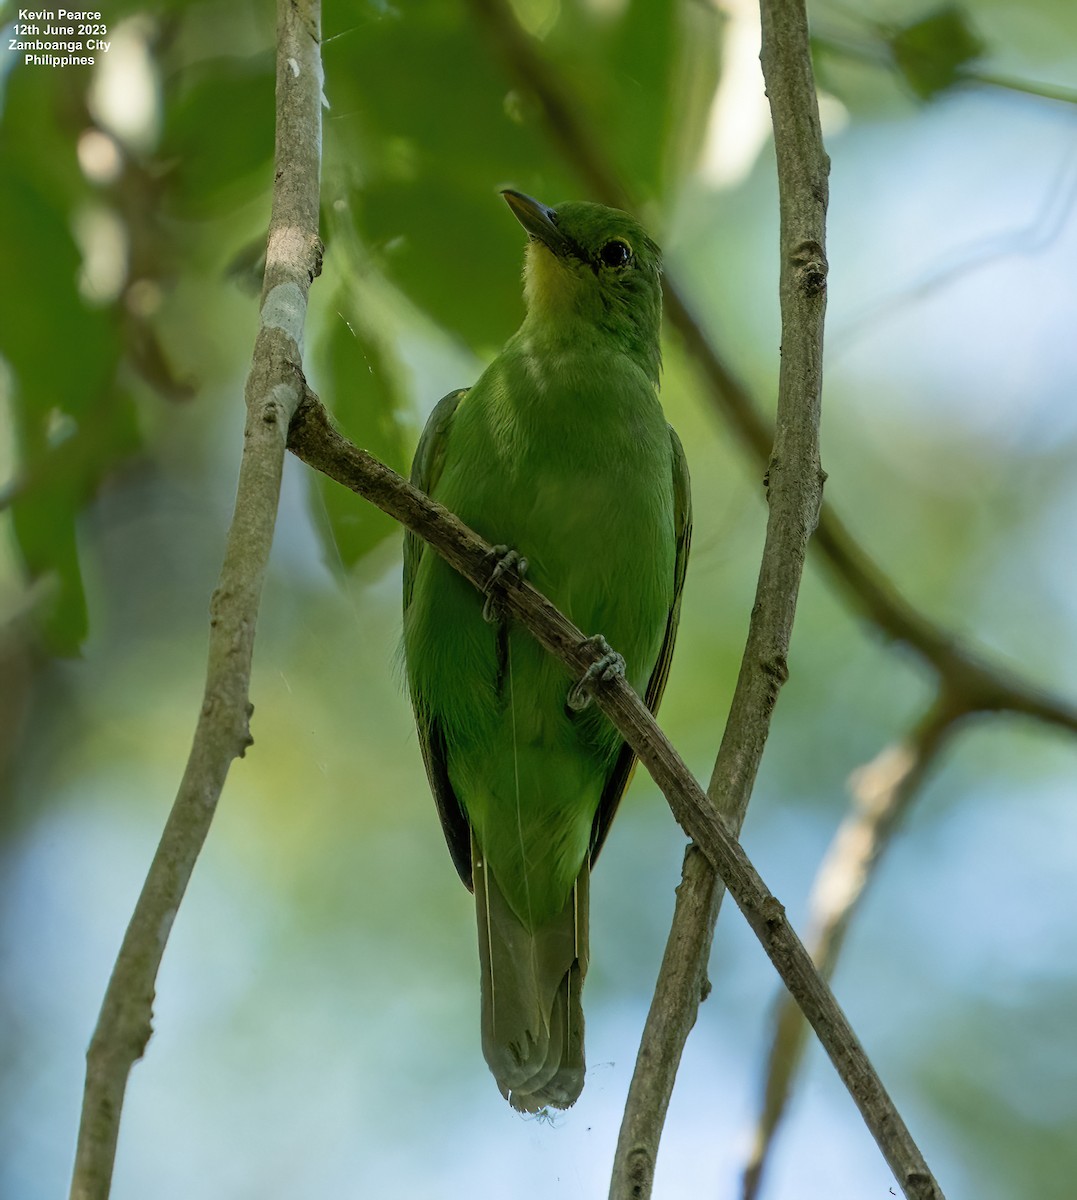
{"points": [[882, 792], [313, 440], [273, 390]]}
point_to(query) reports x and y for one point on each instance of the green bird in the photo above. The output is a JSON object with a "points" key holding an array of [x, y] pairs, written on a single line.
{"points": [[560, 451]]}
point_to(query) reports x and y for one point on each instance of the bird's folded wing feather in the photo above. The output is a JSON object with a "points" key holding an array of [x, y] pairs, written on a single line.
{"points": [[425, 472], [621, 775]]}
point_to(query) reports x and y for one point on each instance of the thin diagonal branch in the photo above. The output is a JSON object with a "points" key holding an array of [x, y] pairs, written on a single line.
{"points": [[312, 439], [883, 791], [273, 390]]}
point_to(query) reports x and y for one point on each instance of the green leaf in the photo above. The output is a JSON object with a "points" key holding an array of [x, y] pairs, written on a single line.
{"points": [[423, 130], [218, 135], [455, 250], [69, 426], [932, 53], [44, 524], [362, 383], [45, 513], [60, 350], [635, 78], [422, 152]]}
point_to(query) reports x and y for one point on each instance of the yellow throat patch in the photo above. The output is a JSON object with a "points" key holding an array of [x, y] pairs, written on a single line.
{"points": [[549, 283]]}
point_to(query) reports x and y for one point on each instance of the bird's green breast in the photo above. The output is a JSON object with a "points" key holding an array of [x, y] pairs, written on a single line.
{"points": [[568, 460]]}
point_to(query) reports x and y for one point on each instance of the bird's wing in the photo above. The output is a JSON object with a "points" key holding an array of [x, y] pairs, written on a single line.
{"points": [[656, 685], [425, 472]]}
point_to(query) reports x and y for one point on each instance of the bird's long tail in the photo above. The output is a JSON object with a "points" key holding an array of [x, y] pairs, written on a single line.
{"points": [[532, 1017]]}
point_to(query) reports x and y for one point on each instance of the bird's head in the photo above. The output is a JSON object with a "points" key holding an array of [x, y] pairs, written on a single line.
{"points": [[592, 265]]}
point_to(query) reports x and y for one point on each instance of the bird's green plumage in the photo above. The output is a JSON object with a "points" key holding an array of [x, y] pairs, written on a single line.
{"points": [[561, 451]]}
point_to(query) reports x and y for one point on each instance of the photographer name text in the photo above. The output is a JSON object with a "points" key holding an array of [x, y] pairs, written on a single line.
{"points": [[58, 37]]}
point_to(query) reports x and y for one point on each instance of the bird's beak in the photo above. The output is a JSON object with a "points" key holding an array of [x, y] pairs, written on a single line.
{"points": [[539, 221]]}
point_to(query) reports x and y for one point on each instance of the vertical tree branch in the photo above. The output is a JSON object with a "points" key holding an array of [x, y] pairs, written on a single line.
{"points": [[273, 390], [795, 481], [681, 987], [882, 792]]}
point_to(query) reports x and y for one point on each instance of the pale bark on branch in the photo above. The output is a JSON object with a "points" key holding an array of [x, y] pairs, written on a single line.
{"points": [[273, 390]]}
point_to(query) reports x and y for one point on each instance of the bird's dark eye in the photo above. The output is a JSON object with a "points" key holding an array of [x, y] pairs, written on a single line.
{"points": [[615, 254]]}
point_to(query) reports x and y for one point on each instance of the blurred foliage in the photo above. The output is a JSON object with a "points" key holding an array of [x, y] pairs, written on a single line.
{"points": [[72, 420], [323, 952], [232, 99], [932, 53], [424, 173]]}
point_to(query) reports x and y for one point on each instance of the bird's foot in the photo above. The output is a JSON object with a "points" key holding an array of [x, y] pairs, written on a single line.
{"points": [[603, 670], [507, 561]]}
